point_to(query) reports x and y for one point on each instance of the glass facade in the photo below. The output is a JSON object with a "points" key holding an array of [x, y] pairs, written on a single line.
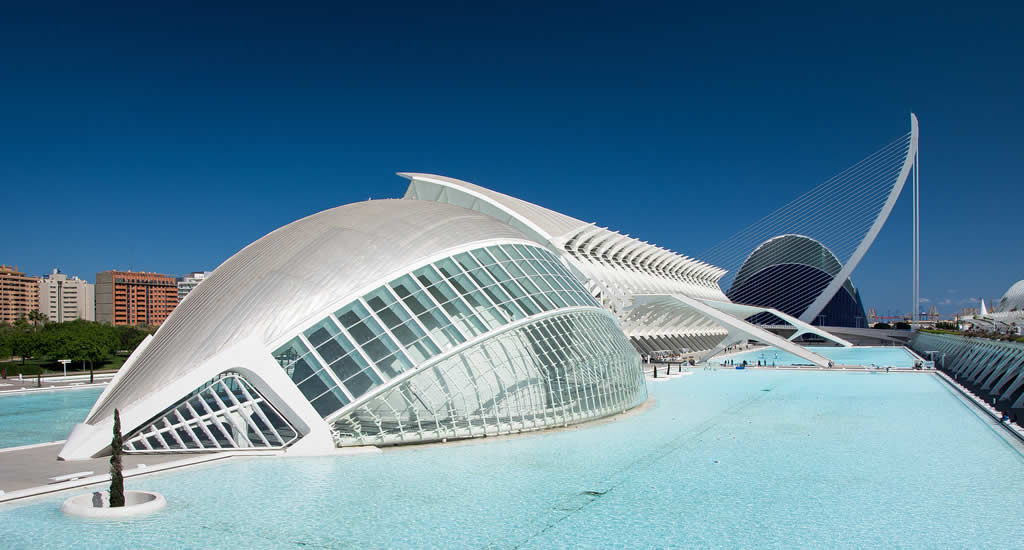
{"points": [[422, 314], [556, 371], [226, 413], [433, 309]]}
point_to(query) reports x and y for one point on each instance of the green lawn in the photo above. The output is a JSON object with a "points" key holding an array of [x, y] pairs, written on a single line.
{"points": [[110, 364]]}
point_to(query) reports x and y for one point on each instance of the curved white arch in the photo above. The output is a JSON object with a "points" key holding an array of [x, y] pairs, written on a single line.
{"points": [[822, 300]]}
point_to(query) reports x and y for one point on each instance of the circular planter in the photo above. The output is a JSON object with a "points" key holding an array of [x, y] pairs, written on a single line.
{"points": [[97, 505]]}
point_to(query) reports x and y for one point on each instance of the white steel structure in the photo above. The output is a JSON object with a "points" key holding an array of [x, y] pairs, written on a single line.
{"points": [[615, 267], [994, 369], [844, 214], [1012, 300], [381, 322], [1008, 312]]}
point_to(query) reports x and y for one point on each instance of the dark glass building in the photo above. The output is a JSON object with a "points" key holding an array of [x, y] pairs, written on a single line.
{"points": [[787, 273]]}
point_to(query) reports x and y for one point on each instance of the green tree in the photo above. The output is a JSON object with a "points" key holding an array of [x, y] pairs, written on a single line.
{"points": [[116, 478], [36, 318], [131, 336], [6, 340], [79, 341], [25, 341]]}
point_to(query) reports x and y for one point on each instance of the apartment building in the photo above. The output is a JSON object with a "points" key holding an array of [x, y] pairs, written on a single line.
{"points": [[134, 297], [63, 298], [19, 294]]}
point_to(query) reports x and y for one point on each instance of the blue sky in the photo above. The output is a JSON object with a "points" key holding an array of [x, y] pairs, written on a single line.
{"points": [[165, 139]]}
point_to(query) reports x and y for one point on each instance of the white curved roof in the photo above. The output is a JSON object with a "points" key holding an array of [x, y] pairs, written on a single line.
{"points": [[276, 283], [550, 227], [1013, 298], [548, 224]]}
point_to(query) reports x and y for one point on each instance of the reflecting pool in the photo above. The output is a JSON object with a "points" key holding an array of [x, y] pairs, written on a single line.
{"points": [[721, 459], [865, 356], [41, 417]]}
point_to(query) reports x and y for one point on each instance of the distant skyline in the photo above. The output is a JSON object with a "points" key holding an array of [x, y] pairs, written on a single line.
{"points": [[166, 139]]}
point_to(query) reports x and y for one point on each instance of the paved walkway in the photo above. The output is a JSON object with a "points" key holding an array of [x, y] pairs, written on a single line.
{"points": [[29, 384], [34, 465]]}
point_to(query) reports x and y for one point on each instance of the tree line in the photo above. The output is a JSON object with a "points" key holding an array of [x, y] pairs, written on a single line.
{"points": [[80, 341]]}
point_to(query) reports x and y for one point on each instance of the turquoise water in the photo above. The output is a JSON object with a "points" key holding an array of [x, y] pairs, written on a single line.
{"points": [[864, 356], [723, 459], [40, 417]]}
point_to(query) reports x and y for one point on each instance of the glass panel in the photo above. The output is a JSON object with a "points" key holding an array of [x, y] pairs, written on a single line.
{"points": [[301, 369], [528, 285], [447, 268], [498, 254], [394, 315], [360, 383], [434, 283], [488, 285], [434, 321], [356, 319], [321, 332], [513, 251], [526, 251], [415, 342], [288, 353], [379, 299], [513, 289], [394, 364], [404, 286], [349, 365], [379, 348], [482, 256], [312, 387], [335, 348], [327, 403]]}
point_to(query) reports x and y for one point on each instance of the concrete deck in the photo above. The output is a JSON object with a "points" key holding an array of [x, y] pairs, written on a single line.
{"points": [[34, 465]]}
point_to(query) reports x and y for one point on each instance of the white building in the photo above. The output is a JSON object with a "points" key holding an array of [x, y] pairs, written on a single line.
{"points": [[187, 283], [63, 298], [454, 312]]}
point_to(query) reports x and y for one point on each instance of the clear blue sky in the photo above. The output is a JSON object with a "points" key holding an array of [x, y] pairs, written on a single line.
{"points": [[165, 139]]}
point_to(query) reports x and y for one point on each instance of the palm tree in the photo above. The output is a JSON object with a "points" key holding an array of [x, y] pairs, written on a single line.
{"points": [[36, 317]]}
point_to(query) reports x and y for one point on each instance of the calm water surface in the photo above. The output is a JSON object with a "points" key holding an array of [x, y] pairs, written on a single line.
{"points": [[726, 459], [864, 356], [40, 417]]}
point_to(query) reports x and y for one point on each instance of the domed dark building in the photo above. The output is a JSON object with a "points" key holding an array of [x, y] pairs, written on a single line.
{"points": [[787, 273]]}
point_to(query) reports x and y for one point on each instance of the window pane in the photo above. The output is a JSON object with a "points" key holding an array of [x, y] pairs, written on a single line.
{"points": [[288, 353], [321, 332], [379, 299], [393, 365], [482, 256], [352, 315], [513, 251], [513, 289], [379, 348], [348, 366], [301, 369], [498, 253], [328, 403], [360, 383], [394, 316]]}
